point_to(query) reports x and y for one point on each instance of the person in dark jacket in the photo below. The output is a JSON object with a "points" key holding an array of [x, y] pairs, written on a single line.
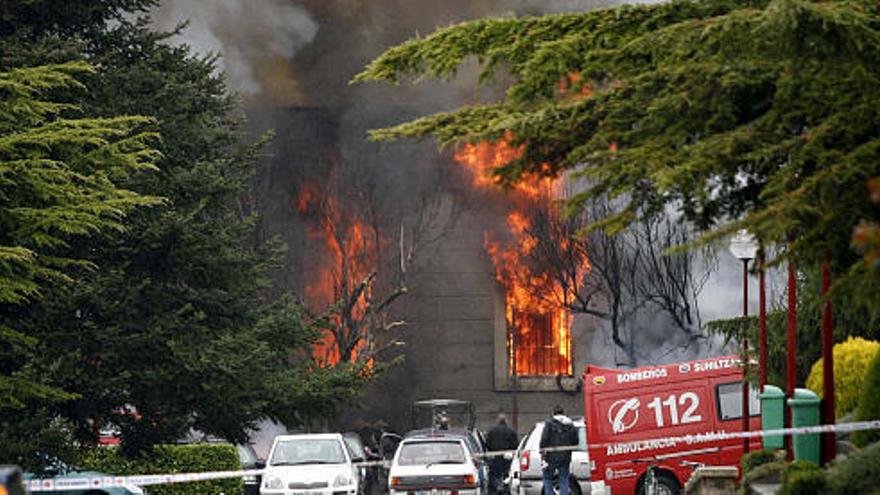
{"points": [[500, 438], [559, 433]]}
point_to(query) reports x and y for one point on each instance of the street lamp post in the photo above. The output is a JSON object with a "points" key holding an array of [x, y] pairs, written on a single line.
{"points": [[744, 247]]}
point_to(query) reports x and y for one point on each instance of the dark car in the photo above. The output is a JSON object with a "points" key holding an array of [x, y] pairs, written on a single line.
{"points": [[249, 460], [359, 455]]}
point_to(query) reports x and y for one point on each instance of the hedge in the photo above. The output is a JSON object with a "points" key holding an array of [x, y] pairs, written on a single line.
{"points": [[757, 458], [851, 360], [869, 404], [857, 474], [771, 471], [171, 459], [803, 478]]}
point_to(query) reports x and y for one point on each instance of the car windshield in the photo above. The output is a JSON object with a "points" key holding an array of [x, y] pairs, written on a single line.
{"points": [[431, 452], [308, 451], [355, 448], [246, 455]]}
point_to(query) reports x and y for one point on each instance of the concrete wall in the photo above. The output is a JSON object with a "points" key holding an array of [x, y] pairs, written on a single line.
{"points": [[456, 340]]}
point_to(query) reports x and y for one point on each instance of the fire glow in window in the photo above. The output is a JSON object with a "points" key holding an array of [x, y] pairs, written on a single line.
{"points": [[538, 323], [539, 344]]}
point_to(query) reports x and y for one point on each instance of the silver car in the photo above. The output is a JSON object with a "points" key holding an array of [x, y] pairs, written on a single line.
{"points": [[526, 476]]}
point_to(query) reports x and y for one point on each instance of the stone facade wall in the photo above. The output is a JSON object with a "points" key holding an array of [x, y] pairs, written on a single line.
{"points": [[456, 341]]}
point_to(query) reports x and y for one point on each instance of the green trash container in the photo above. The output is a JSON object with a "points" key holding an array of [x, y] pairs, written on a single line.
{"points": [[805, 412], [773, 415]]}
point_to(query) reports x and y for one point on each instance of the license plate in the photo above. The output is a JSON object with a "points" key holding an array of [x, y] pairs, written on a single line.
{"points": [[306, 492]]}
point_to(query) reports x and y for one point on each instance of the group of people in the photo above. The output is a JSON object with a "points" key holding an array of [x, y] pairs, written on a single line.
{"points": [[380, 442], [558, 435], [559, 432]]}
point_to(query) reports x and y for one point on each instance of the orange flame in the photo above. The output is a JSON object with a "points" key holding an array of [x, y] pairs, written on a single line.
{"points": [[347, 255], [483, 158], [540, 326]]}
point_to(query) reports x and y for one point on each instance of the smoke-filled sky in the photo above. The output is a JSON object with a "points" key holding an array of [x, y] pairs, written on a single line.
{"points": [[303, 53]]}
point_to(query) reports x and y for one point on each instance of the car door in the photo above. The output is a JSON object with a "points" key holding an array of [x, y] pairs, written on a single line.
{"points": [[580, 458]]}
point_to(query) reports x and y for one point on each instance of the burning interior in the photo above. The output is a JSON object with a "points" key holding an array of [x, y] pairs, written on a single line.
{"points": [[536, 300]]}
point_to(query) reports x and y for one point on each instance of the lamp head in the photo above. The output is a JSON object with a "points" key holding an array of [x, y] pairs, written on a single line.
{"points": [[743, 245]]}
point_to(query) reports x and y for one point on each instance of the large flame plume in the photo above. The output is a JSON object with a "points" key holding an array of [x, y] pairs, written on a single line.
{"points": [[344, 259], [539, 325]]}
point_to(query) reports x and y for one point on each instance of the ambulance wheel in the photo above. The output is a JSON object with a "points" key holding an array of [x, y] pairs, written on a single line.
{"points": [[573, 487], [666, 485]]}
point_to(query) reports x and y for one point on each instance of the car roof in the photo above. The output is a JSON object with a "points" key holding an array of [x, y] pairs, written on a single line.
{"points": [[441, 402], [578, 421], [429, 433], [309, 436]]}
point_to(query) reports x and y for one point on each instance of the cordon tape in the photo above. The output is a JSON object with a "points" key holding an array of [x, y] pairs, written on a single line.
{"points": [[65, 484]]}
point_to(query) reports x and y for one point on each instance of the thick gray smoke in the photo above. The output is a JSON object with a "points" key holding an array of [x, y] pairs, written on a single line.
{"points": [[292, 60], [302, 54], [255, 40]]}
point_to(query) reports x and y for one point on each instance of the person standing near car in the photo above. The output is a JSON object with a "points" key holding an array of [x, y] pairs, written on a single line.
{"points": [[559, 432], [499, 439]]}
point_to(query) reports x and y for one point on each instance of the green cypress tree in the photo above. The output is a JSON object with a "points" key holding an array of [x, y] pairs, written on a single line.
{"points": [[757, 114], [173, 322], [59, 182]]}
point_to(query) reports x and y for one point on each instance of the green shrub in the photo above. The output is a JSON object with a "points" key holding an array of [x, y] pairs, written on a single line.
{"points": [[851, 361], [805, 483], [757, 458], [869, 404], [171, 459], [771, 471], [803, 478], [856, 474]]}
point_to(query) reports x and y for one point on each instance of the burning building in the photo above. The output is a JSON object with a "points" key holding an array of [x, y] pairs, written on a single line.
{"points": [[485, 313]]}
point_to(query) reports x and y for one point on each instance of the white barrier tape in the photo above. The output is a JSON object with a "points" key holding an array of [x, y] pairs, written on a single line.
{"points": [[65, 484], [711, 436]]}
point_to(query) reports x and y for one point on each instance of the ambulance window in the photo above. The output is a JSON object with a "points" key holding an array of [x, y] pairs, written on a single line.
{"points": [[729, 399]]}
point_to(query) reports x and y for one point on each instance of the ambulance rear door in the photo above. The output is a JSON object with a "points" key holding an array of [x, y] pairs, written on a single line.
{"points": [[727, 394]]}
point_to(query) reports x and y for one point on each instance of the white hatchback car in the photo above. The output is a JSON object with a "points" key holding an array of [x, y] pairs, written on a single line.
{"points": [[438, 463], [311, 464], [526, 474]]}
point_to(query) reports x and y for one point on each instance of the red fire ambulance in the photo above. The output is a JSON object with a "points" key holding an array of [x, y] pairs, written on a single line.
{"points": [[634, 415]]}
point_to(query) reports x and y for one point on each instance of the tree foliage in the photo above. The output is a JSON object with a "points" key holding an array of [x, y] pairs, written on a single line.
{"points": [[167, 317], [757, 114], [59, 181]]}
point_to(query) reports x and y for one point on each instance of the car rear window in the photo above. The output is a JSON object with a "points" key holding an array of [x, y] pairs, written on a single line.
{"points": [[431, 452]]}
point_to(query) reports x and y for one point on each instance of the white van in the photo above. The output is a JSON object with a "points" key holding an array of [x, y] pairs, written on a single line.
{"points": [[526, 473], [312, 464]]}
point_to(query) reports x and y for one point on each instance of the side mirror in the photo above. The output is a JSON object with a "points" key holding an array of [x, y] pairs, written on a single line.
{"points": [[260, 464]]}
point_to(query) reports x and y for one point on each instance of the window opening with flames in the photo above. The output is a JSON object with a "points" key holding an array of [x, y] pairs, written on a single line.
{"points": [[538, 321]]}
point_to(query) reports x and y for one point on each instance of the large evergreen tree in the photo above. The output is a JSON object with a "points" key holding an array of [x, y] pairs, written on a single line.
{"points": [[59, 181], [739, 113], [172, 324]]}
